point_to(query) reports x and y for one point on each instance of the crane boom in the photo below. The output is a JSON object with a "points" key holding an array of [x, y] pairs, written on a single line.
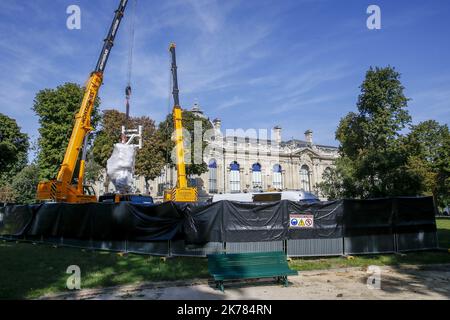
{"points": [[61, 189], [175, 90], [178, 125], [109, 41], [181, 193]]}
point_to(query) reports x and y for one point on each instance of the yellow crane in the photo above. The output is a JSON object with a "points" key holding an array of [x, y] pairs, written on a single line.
{"points": [[181, 193], [61, 189]]}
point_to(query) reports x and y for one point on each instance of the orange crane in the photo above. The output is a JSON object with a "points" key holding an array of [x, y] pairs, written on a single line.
{"points": [[62, 189]]}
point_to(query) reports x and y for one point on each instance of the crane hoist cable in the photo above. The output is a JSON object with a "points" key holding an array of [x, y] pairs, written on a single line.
{"points": [[130, 59]]}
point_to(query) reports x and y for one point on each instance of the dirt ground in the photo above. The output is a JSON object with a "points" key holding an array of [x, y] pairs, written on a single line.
{"points": [[406, 282]]}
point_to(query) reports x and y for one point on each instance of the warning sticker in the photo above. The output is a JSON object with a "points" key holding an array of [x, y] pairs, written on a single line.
{"points": [[301, 221]]}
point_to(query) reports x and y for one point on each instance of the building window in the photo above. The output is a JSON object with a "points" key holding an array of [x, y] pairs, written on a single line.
{"points": [[212, 168], [277, 183], [235, 177], [305, 183], [256, 176]]}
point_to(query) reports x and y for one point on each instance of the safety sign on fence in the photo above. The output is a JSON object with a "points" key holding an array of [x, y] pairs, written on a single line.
{"points": [[301, 221]]}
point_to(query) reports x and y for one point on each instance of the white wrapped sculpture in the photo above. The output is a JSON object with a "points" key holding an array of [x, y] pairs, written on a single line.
{"points": [[120, 167]]}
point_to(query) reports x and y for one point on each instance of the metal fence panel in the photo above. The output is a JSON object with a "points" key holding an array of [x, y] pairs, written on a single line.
{"points": [[417, 241], [369, 244], [75, 243], [180, 248], [52, 240], [109, 245], [242, 247], [315, 247], [159, 248]]}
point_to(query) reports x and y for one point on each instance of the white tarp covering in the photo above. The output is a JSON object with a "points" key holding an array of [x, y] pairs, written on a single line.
{"points": [[120, 167]]}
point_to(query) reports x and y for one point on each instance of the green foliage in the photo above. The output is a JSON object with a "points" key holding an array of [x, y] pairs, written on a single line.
{"points": [[92, 170], [7, 194], [150, 160], [109, 134], [56, 109], [377, 160], [13, 149], [428, 146], [333, 181], [24, 185], [374, 161], [111, 131], [165, 133]]}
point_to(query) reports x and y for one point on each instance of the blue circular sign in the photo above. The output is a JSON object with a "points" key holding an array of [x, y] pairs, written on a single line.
{"points": [[294, 222]]}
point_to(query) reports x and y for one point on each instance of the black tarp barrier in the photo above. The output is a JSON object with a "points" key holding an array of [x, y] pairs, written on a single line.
{"points": [[105, 221], [229, 221], [207, 222], [223, 221], [368, 217], [154, 223], [244, 222], [413, 215], [16, 220], [388, 216], [327, 220]]}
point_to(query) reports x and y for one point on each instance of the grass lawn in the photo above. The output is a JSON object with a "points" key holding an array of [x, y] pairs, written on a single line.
{"points": [[443, 225], [29, 271]]}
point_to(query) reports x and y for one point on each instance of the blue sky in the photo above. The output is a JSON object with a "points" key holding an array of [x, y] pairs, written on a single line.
{"points": [[252, 63]]}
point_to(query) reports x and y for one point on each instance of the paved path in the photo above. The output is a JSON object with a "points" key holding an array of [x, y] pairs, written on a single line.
{"points": [[412, 282]]}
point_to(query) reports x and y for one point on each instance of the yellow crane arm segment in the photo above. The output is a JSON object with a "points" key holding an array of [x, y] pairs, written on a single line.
{"points": [[181, 166], [61, 189], [81, 128]]}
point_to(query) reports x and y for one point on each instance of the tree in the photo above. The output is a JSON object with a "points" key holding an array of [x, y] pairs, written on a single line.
{"points": [[24, 185], [7, 194], [336, 182], [428, 146], [150, 161], [373, 159], [13, 148], [92, 170], [56, 109], [166, 130]]}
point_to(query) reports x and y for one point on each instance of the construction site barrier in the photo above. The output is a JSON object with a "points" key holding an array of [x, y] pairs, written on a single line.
{"points": [[336, 228]]}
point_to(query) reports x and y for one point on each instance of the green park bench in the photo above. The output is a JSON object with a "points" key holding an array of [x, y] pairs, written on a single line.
{"points": [[249, 266]]}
